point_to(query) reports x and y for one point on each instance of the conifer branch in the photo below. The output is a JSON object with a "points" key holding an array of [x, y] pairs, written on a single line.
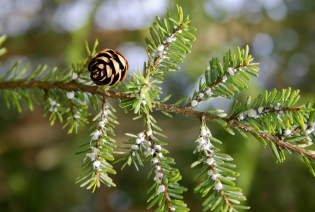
{"points": [[72, 86]]}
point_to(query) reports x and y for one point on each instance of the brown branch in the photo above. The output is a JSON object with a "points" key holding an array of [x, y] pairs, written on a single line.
{"points": [[72, 107], [157, 60], [151, 139], [72, 86]]}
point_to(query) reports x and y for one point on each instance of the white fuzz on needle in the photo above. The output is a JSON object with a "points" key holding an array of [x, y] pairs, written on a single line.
{"points": [[260, 109], [287, 132], [194, 103], [96, 135], [138, 141], [169, 39], [157, 147], [218, 186], [160, 48], [210, 161], [230, 70], [208, 92], [92, 156], [52, 102], [252, 113], [134, 147], [101, 124], [96, 165], [201, 95], [141, 134], [161, 189], [149, 133], [155, 161], [70, 95], [241, 117], [204, 131]]}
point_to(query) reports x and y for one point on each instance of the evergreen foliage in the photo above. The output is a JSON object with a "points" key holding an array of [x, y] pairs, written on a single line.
{"points": [[272, 117]]}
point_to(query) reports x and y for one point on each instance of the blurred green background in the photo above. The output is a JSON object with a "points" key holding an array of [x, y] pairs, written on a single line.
{"points": [[37, 162]]}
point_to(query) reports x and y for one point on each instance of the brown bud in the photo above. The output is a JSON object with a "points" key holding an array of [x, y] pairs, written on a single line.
{"points": [[108, 67]]}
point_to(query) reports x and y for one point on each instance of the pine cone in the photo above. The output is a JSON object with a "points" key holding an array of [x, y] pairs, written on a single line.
{"points": [[108, 67]]}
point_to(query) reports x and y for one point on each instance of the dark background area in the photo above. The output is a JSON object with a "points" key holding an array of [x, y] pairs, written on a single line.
{"points": [[37, 162]]}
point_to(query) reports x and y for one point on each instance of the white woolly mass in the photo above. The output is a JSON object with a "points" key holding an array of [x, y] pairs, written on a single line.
{"points": [[260, 109], [224, 78], [138, 141], [140, 135], [313, 124], [210, 172], [278, 106], [309, 131], [230, 70], [201, 95], [159, 175], [208, 92], [157, 180], [169, 39], [76, 116], [144, 102], [157, 147], [52, 102], [134, 147], [173, 209], [160, 48], [287, 132], [161, 189], [160, 154], [204, 146], [201, 140], [241, 117], [94, 149], [70, 95], [149, 133], [96, 135], [155, 160], [214, 176], [101, 124], [158, 168], [204, 131], [146, 153], [252, 113], [152, 151], [210, 161], [96, 165], [74, 76], [92, 156], [218, 186], [194, 103]]}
